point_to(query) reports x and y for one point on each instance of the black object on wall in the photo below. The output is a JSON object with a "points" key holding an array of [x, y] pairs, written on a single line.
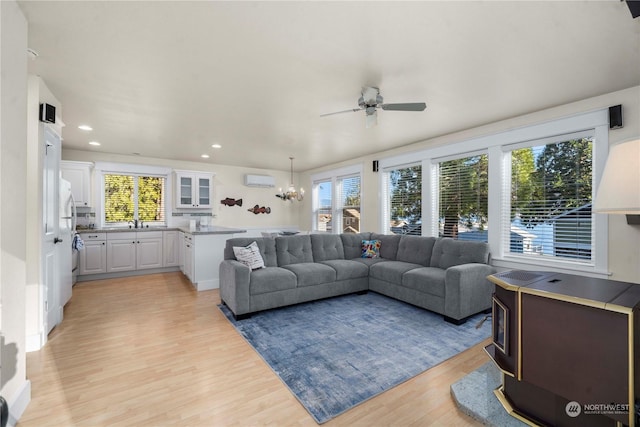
{"points": [[47, 113], [634, 7], [615, 117], [4, 412], [375, 166]]}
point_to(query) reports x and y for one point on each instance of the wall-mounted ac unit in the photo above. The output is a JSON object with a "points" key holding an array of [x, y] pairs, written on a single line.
{"points": [[259, 181]]}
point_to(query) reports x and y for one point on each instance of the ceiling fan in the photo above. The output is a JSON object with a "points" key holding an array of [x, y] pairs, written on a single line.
{"points": [[371, 101]]}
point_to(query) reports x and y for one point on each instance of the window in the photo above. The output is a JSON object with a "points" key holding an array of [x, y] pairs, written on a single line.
{"points": [[336, 200], [404, 192], [526, 191], [463, 186], [550, 200], [128, 197], [323, 202], [349, 203]]}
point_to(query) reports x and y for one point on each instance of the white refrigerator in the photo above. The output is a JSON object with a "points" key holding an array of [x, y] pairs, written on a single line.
{"points": [[67, 234]]}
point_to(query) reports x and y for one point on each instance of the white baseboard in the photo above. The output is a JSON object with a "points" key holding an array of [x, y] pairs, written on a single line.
{"points": [[35, 342], [18, 403], [206, 285]]}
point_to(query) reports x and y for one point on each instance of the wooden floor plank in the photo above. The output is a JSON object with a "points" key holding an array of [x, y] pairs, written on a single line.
{"points": [[151, 351]]}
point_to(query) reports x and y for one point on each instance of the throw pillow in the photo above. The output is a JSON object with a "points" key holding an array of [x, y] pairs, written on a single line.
{"points": [[249, 256], [370, 248]]}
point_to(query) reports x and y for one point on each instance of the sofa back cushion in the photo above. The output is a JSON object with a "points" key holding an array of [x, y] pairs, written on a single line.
{"points": [[293, 249], [267, 248], [326, 247], [352, 244], [388, 244], [416, 249], [448, 252]]}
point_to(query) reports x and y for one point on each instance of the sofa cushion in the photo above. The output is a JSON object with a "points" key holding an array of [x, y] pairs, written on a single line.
{"points": [[271, 279], [352, 244], [388, 244], [326, 246], [448, 252], [416, 249], [429, 280], [368, 261], [249, 255], [293, 249], [347, 269], [312, 273], [267, 248], [370, 249], [391, 271]]}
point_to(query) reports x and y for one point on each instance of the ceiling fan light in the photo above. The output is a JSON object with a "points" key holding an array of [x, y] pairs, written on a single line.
{"points": [[371, 119]]}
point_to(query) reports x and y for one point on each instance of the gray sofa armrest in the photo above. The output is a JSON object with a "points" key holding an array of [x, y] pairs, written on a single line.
{"points": [[467, 290], [234, 286]]}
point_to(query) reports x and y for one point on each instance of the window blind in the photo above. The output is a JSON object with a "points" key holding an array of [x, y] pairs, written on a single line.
{"points": [[129, 197], [349, 203], [404, 192], [463, 198], [550, 201]]}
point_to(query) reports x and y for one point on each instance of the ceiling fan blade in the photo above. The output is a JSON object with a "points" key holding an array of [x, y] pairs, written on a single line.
{"points": [[412, 106], [341, 112]]}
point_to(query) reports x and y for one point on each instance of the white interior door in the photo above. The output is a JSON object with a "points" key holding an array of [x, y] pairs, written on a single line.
{"points": [[50, 228]]}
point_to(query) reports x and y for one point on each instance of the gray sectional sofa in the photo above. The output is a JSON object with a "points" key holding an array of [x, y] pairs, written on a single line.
{"points": [[439, 274]]}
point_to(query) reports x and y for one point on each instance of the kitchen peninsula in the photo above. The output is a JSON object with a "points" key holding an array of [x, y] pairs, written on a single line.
{"points": [[119, 252]]}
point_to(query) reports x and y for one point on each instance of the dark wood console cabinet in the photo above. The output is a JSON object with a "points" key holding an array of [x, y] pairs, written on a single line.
{"points": [[567, 347]]}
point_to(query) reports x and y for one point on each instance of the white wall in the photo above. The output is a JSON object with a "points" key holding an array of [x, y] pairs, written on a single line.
{"points": [[14, 386], [624, 240], [228, 182]]}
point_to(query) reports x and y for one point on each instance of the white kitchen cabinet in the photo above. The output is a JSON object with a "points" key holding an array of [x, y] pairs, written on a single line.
{"points": [[121, 251], [79, 175], [181, 250], [171, 248], [93, 257], [187, 267], [149, 250], [132, 250], [193, 189], [202, 256]]}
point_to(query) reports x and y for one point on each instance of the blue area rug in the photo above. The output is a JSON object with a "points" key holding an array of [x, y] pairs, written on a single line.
{"points": [[336, 353]]}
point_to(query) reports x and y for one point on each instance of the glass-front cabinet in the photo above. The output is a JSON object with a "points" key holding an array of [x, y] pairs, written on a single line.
{"points": [[193, 189]]}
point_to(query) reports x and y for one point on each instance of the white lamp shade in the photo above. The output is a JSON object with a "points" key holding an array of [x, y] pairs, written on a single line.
{"points": [[619, 189]]}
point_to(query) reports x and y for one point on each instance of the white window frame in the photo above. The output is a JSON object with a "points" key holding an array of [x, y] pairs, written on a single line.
{"points": [[497, 145], [107, 168], [335, 176]]}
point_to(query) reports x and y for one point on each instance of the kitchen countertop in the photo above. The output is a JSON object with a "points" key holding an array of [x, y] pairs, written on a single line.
{"points": [[199, 230], [212, 230]]}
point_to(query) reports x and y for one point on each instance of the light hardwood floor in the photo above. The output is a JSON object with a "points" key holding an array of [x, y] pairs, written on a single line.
{"points": [[151, 351]]}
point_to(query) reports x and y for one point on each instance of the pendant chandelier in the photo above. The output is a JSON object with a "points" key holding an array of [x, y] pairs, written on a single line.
{"points": [[291, 194]]}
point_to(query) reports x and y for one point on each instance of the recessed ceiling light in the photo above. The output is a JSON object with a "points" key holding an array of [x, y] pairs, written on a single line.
{"points": [[94, 143], [205, 156], [216, 146], [85, 127]]}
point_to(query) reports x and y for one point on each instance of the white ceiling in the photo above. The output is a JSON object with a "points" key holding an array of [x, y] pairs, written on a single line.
{"points": [[170, 78]]}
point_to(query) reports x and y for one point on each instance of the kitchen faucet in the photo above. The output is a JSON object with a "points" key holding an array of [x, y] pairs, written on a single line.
{"points": [[134, 223]]}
